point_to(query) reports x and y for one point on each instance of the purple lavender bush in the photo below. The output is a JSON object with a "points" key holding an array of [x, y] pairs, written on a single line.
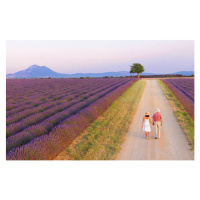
{"points": [[45, 134], [183, 89]]}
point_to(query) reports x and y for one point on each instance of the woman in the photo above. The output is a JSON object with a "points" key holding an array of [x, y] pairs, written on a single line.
{"points": [[146, 125]]}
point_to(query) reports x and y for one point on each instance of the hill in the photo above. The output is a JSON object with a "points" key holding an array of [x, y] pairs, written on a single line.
{"points": [[185, 73], [36, 71]]}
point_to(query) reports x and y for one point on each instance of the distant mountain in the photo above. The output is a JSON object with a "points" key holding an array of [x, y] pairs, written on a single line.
{"points": [[185, 73], [36, 71]]}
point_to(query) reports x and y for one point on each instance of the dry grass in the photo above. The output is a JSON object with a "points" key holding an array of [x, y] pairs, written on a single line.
{"points": [[103, 138]]}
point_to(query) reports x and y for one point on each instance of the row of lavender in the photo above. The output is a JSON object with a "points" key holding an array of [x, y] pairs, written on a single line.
{"points": [[45, 139], [59, 102], [184, 90], [30, 119], [41, 123], [24, 94]]}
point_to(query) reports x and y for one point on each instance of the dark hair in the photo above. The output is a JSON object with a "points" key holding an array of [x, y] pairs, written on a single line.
{"points": [[146, 115]]}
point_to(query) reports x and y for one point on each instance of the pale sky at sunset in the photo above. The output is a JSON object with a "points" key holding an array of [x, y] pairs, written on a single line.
{"points": [[95, 56]]}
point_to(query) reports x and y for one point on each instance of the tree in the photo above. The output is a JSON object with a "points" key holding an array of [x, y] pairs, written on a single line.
{"points": [[137, 68]]}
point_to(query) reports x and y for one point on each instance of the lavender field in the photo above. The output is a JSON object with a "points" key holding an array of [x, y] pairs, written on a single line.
{"points": [[184, 90], [43, 116]]}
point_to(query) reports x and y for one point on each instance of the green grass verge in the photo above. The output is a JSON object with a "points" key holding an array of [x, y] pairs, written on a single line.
{"points": [[103, 138], [186, 122]]}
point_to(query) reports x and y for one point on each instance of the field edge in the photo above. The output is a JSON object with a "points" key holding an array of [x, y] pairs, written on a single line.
{"points": [[103, 138], [184, 119]]}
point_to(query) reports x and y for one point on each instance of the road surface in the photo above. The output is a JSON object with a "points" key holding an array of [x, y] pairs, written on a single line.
{"points": [[172, 145]]}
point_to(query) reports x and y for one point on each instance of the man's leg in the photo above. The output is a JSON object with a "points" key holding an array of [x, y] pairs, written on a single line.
{"points": [[158, 129], [156, 132]]}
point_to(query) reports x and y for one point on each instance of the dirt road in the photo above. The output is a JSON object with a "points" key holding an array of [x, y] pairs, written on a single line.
{"points": [[172, 145]]}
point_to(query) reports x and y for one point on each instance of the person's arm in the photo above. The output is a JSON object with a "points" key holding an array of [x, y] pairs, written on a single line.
{"points": [[161, 119], [150, 121], [142, 121], [153, 119]]}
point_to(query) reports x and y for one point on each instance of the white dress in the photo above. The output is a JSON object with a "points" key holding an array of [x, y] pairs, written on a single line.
{"points": [[146, 125]]}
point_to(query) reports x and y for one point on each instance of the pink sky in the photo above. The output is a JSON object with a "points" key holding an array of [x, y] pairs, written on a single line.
{"points": [[84, 56]]}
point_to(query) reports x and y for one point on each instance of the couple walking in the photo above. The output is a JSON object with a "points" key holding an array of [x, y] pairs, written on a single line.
{"points": [[157, 121]]}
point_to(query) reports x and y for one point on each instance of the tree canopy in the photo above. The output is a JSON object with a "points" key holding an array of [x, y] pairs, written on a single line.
{"points": [[137, 68]]}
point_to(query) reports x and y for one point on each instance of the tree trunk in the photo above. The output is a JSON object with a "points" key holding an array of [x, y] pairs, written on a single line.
{"points": [[138, 75]]}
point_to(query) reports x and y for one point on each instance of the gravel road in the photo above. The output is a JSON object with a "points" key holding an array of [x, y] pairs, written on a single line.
{"points": [[172, 145]]}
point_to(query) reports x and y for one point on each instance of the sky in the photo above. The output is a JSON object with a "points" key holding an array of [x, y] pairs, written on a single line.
{"points": [[96, 56]]}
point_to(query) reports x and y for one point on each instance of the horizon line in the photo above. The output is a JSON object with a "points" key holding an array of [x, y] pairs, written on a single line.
{"points": [[100, 72]]}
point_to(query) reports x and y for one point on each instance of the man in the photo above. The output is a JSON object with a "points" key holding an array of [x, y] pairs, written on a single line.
{"points": [[157, 121]]}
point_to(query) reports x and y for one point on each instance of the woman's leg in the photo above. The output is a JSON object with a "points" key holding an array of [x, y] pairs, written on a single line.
{"points": [[149, 135], [146, 134]]}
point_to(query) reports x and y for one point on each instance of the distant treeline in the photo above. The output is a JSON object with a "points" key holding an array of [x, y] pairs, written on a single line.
{"points": [[149, 76], [163, 76], [141, 76], [145, 76]]}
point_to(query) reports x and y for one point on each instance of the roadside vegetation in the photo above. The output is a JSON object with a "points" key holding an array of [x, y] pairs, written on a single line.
{"points": [[186, 122], [103, 138]]}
